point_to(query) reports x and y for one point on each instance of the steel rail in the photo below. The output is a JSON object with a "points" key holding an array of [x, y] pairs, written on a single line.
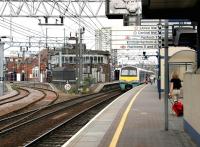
{"points": [[38, 139]]}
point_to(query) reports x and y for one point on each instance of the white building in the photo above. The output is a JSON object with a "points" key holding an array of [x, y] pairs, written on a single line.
{"points": [[103, 39]]}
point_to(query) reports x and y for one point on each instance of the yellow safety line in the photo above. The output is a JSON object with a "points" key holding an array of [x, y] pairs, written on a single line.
{"points": [[122, 121]]}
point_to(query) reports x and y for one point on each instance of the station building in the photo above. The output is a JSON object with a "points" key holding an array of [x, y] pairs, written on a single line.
{"points": [[96, 64]]}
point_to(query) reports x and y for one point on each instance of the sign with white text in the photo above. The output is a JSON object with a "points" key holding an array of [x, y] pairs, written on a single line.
{"points": [[135, 37]]}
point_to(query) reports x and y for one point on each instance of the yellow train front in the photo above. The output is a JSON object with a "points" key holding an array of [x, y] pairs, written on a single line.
{"points": [[131, 76]]}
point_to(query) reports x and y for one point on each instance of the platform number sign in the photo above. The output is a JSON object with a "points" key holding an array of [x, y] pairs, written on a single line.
{"points": [[67, 87]]}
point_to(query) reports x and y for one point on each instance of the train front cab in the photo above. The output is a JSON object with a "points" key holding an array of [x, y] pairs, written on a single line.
{"points": [[128, 78]]}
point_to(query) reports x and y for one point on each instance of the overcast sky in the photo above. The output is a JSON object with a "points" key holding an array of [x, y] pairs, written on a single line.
{"points": [[25, 29], [53, 31]]}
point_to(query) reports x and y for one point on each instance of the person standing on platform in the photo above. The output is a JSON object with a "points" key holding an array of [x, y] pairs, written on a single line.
{"points": [[151, 79], [175, 85]]}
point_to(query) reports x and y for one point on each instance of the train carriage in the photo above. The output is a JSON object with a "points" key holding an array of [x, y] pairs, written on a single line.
{"points": [[131, 76]]}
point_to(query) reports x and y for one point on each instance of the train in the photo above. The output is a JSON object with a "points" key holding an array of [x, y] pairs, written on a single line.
{"points": [[131, 76]]}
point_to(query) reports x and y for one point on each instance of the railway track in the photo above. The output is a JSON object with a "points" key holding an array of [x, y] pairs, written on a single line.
{"points": [[38, 122], [62, 133], [21, 93], [48, 98]]}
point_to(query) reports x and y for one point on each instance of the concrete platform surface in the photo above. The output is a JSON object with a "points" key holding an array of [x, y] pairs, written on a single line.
{"points": [[143, 127]]}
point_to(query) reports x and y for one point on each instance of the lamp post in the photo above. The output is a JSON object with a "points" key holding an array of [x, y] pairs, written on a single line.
{"points": [[1, 67], [39, 74], [82, 31], [23, 50], [76, 39], [166, 76]]}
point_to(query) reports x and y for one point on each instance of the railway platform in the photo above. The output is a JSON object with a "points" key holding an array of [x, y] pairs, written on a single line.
{"points": [[134, 119], [98, 87]]}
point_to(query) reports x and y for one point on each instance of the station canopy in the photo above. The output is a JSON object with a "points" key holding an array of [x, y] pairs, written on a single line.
{"points": [[183, 56], [171, 9]]}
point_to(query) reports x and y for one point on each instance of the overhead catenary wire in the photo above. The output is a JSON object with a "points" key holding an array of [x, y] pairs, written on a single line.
{"points": [[79, 19], [68, 12], [19, 32], [43, 34], [93, 21], [89, 26], [95, 18], [28, 30], [89, 16], [16, 30], [84, 22], [93, 15], [76, 18]]}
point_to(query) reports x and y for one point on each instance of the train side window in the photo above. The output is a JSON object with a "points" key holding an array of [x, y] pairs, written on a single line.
{"points": [[142, 75]]}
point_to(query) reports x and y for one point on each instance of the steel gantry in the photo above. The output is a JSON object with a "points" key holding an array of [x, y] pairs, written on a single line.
{"points": [[51, 8]]}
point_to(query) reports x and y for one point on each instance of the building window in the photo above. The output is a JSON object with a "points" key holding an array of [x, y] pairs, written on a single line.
{"points": [[91, 59], [87, 60], [95, 59], [66, 60], [63, 59], [35, 72], [70, 59], [101, 59]]}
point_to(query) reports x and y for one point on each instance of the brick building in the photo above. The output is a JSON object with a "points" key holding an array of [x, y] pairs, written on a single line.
{"points": [[27, 67]]}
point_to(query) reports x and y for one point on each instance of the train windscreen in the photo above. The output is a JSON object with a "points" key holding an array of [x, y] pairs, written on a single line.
{"points": [[133, 72], [124, 72], [129, 72]]}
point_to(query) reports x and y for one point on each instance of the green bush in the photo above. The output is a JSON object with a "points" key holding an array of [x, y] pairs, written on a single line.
{"points": [[15, 87], [88, 81]]}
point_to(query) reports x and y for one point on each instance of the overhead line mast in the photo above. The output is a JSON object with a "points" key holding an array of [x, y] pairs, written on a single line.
{"points": [[17, 8]]}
